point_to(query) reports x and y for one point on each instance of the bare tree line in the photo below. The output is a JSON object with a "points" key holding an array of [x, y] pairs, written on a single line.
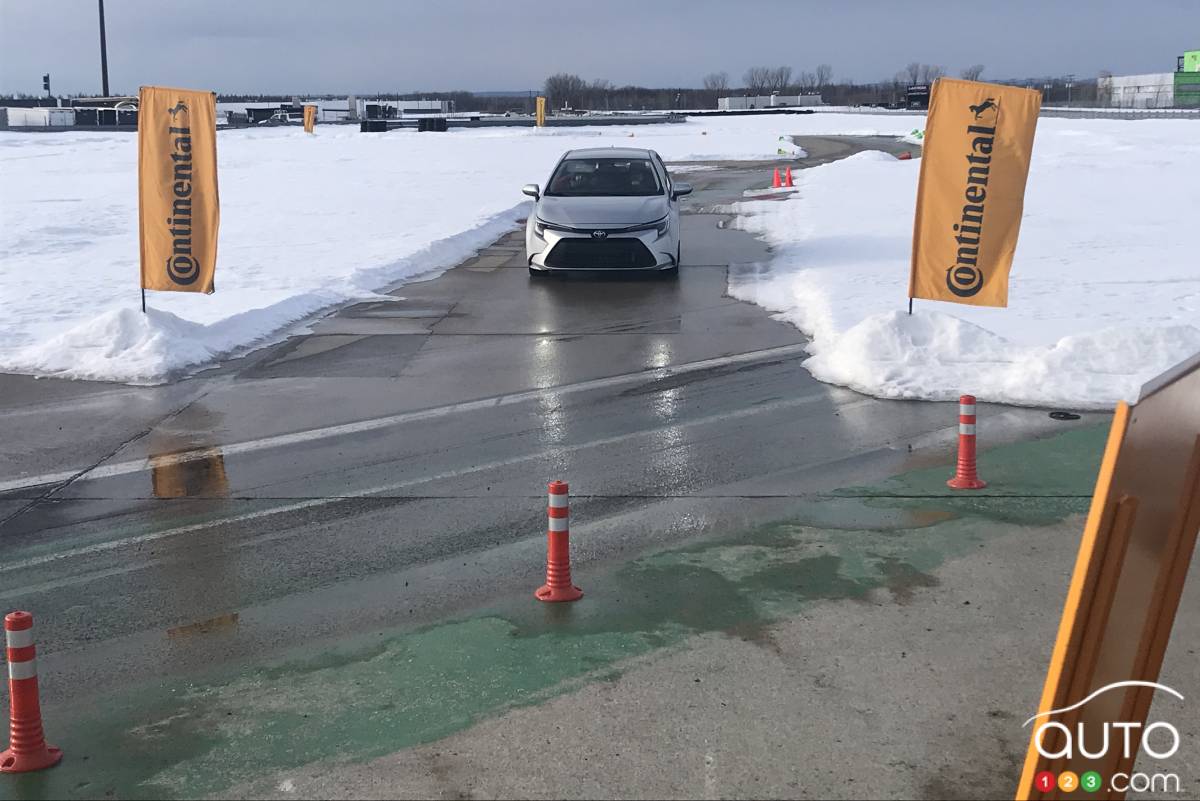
{"points": [[565, 90], [764, 80], [916, 73], [572, 91], [716, 82]]}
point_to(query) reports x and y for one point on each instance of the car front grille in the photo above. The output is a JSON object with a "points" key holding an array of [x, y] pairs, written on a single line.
{"points": [[600, 254]]}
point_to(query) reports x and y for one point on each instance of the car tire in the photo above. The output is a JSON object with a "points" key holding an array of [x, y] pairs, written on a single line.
{"points": [[536, 273]]}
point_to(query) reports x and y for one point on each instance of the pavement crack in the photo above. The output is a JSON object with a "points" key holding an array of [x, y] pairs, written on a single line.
{"points": [[54, 489], [446, 316], [429, 335]]}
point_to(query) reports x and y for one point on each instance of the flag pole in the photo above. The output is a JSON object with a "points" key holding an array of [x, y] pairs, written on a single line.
{"points": [[144, 301]]}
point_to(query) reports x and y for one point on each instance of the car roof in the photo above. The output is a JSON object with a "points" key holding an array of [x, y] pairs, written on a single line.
{"points": [[607, 153]]}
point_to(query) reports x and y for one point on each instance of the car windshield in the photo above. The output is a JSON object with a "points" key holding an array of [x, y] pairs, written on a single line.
{"points": [[607, 177]]}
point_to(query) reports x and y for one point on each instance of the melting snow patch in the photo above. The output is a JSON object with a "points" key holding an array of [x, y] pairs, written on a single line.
{"points": [[1104, 293]]}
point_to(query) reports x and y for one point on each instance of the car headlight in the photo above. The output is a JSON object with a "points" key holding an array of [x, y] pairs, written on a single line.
{"points": [[540, 227], [660, 227]]}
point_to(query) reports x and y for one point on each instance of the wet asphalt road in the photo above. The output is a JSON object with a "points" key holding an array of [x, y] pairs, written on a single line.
{"points": [[388, 466]]}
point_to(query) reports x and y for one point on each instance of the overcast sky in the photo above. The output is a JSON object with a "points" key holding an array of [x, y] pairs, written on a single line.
{"points": [[364, 46]]}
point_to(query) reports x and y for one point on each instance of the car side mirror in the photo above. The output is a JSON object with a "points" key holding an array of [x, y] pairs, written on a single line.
{"points": [[680, 189], [532, 190]]}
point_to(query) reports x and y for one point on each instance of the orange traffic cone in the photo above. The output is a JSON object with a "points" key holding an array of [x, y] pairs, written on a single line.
{"points": [[775, 182], [27, 749], [787, 177], [558, 586], [966, 475]]}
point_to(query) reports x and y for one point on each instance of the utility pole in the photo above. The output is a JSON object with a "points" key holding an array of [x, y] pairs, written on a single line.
{"points": [[103, 54]]}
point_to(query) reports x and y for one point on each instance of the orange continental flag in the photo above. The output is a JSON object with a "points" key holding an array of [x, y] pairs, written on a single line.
{"points": [[179, 211], [978, 140], [310, 118]]}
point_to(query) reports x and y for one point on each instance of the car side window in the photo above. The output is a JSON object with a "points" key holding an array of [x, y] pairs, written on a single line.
{"points": [[662, 171]]}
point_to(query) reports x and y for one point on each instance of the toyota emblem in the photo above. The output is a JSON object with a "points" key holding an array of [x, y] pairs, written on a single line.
{"points": [[599, 234]]}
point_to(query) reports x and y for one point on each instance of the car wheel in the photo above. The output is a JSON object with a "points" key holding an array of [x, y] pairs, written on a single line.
{"points": [[536, 273]]}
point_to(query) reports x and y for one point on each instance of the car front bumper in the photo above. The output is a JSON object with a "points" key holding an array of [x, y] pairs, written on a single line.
{"points": [[565, 251]]}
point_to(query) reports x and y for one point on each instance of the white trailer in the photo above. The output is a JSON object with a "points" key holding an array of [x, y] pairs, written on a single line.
{"points": [[40, 117], [766, 101]]}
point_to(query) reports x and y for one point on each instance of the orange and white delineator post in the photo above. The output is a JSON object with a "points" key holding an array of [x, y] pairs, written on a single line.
{"points": [[27, 749], [966, 476], [558, 586]]}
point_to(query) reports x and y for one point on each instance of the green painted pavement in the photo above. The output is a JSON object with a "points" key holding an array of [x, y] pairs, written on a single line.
{"points": [[186, 739], [1062, 465]]}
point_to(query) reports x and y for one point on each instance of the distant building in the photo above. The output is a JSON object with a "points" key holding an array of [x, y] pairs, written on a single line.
{"points": [[766, 101], [30, 102], [391, 109], [1153, 90], [257, 114], [1187, 80], [241, 112], [67, 112], [125, 102], [1179, 89]]}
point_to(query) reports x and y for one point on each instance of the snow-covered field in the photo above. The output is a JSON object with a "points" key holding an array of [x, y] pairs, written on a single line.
{"points": [[307, 222], [1105, 289]]}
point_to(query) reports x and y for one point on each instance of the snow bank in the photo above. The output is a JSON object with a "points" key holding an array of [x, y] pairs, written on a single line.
{"points": [[307, 222], [125, 345], [1105, 289]]}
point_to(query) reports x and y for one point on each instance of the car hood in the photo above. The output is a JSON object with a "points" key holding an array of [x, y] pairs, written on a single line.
{"points": [[614, 211]]}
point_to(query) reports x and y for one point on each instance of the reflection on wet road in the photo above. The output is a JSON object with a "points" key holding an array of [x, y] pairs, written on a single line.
{"points": [[387, 467]]}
